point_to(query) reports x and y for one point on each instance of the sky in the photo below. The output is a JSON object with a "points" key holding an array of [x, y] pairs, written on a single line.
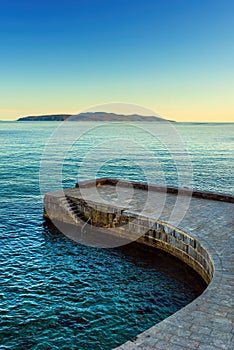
{"points": [[175, 57]]}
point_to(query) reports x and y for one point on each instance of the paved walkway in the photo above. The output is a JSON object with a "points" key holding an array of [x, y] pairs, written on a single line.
{"points": [[207, 322]]}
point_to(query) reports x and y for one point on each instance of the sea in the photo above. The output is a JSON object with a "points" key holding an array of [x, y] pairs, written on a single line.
{"points": [[58, 294]]}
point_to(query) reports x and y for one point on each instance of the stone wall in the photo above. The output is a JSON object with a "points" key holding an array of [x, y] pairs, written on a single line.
{"points": [[99, 214], [177, 243], [153, 233]]}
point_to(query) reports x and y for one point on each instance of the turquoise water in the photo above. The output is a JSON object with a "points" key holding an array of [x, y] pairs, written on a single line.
{"points": [[57, 294]]}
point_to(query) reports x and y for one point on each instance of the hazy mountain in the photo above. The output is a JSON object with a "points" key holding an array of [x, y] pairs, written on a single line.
{"points": [[95, 116]]}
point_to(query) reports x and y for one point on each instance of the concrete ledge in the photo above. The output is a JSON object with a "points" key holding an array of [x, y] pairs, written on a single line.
{"points": [[151, 187]]}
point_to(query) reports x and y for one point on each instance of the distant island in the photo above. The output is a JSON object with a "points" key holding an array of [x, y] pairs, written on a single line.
{"points": [[94, 116]]}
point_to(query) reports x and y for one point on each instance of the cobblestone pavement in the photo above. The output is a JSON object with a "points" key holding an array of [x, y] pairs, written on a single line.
{"points": [[207, 322]]}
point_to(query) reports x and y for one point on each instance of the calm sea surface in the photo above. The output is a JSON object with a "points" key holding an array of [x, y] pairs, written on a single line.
{"points": [[57, 294]]}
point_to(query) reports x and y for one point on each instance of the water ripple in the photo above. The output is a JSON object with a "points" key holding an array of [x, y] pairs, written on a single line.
{"points": [[56, 294]]}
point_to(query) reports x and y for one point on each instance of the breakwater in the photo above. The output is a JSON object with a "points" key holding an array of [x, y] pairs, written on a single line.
{"points": [[200, 241]]}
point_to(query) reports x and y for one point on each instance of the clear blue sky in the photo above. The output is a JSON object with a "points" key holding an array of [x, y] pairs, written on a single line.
{"points": [[173, 56]]}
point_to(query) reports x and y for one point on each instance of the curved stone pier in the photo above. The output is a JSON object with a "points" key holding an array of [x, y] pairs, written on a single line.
{"points": [[202, 239]]}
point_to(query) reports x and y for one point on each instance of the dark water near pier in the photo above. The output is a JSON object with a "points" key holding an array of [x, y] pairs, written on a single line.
{"points": [[56, 294]]}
